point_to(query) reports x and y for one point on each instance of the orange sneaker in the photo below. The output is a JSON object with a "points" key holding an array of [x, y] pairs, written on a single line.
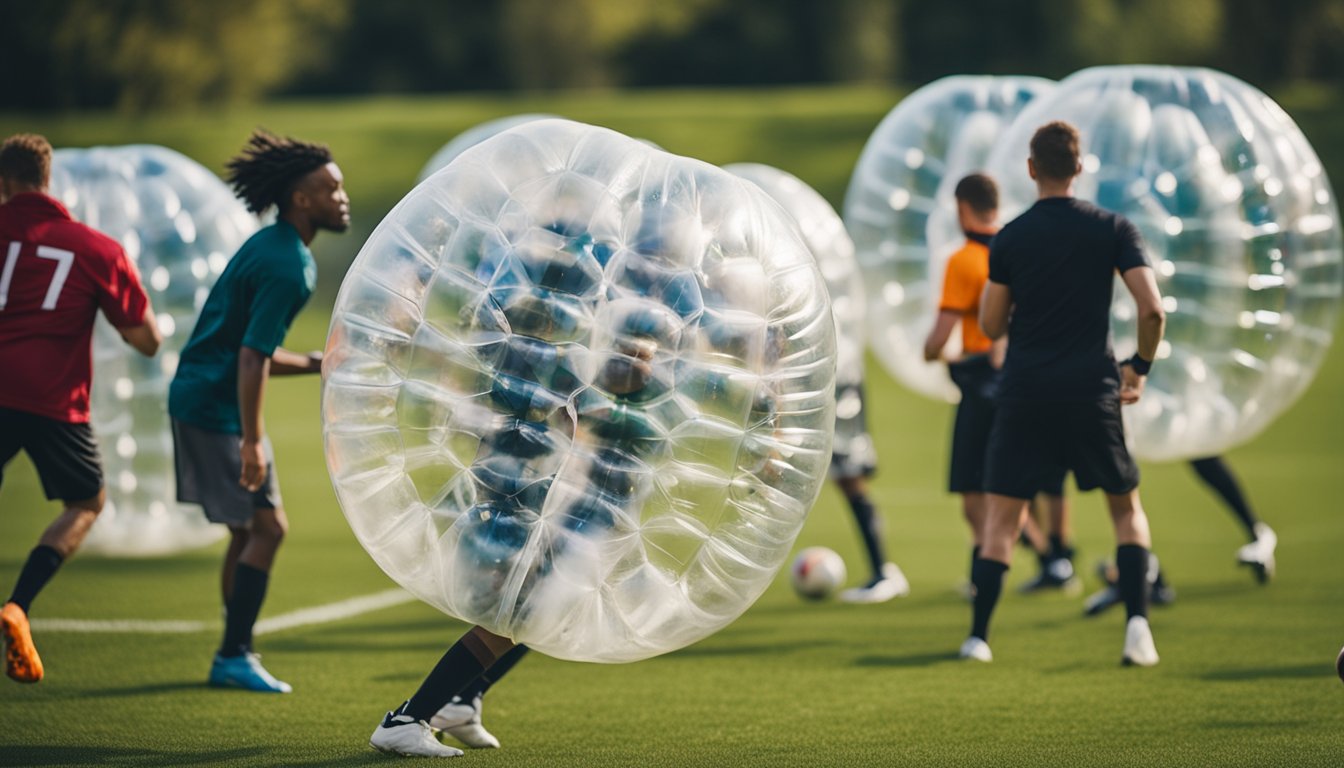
{"points": [[21, 660]]}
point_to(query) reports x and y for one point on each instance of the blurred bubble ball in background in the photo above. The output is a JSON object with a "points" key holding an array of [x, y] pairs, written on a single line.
{"points": [[180, 224], [902, 215], [825, 236], [1241, 227]]}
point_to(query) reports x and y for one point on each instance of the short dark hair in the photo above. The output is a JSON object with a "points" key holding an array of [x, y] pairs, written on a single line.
{"points": [[978, 191], [26, 158], [1055, 150], [269, 166]]}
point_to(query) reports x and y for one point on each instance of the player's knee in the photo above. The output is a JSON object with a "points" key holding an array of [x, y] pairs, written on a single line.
{"points": [[90, 506], [271, 527]]}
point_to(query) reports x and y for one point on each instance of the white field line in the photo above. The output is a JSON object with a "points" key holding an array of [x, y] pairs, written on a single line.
{"points": [[320, 614]]}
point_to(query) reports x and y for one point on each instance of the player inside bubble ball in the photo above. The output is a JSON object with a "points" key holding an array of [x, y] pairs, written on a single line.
{"points": [[538, 288], [223, 459], [57, 276], [653, 311]]}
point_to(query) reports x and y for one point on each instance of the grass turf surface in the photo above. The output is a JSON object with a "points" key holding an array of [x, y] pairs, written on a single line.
{"points": [[1246, 676]]}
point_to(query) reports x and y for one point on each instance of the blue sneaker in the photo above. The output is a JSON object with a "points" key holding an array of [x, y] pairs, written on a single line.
{"points": [[245, 672]]}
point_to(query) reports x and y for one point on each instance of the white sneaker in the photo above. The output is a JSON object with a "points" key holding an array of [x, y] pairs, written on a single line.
{"points": [[1139, 648], [1259, 554], [891, 584], [400, 735], [976, 649], [462, 721]]}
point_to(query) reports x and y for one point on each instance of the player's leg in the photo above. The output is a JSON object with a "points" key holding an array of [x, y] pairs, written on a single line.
{"points": [[461, 717], [1259, 552], [887, 580], [966, 466], [208, 466], [237, 540], [1056, 559], [1102, 460], [406, 730], [1021, 448], [235, 663], [1132, 557], [68, 464], [973, 506], [1034, 537], [1004, 517]]}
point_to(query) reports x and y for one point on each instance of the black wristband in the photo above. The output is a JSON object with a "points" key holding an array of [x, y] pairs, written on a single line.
{"points": [[1140, 366]]}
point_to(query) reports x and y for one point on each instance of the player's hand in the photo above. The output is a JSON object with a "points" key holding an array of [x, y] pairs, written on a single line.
{"points": [[315, 362], [1131, 384], [254, 465]]}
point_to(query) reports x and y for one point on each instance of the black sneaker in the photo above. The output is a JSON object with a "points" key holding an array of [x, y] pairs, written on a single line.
{"points": [[1054, 574], [1099, 601]]}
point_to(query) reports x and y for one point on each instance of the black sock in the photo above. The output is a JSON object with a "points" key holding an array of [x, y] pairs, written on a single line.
{"points": [[249, 591], [870, 529], [41, 566], [489, 677], [1218, 476], [1057, 548], [1131, 565], [975, 555], [454, 672], [987, 577]]}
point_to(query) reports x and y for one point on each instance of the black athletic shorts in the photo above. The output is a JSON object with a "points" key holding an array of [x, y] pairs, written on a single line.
{"points": [[1033, 442], [65, 454], [977, 380]]}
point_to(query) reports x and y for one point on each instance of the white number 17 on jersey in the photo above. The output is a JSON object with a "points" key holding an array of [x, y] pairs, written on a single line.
{"points": [[63, 261]]}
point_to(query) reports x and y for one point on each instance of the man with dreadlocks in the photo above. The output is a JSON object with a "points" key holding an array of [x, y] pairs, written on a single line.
{"points": [[224, 461]]}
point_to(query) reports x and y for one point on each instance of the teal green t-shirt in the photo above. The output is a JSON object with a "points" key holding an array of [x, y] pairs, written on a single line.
{"points": [[252, 305]]}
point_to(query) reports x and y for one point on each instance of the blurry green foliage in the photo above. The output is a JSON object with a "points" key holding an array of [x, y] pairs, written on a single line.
{"points": [[141, 54]]}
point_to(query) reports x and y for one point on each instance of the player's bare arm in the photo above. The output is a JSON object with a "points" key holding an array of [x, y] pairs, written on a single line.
{"points": [[996, 306], [253, 368], [943, 325], [1152, 321], [144, 338], [287, 363]]}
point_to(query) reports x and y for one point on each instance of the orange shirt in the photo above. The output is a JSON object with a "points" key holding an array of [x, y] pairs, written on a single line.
{"points": [[967, 273]]}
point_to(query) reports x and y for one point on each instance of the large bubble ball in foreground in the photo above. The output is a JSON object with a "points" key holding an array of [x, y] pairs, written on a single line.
{"points": [[902, 215], [471, 137], [180, 224], [1241, 227], [826, 238], [579, 391]]}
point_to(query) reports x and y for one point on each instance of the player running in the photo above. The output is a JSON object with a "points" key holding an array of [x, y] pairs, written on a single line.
{"points": [[55, 276]]}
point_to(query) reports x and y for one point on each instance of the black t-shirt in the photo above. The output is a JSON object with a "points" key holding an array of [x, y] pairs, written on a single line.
{"points": [[1059, 259]]}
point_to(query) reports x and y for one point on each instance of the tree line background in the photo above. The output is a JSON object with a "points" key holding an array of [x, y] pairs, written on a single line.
{"points": [[138, 55]]}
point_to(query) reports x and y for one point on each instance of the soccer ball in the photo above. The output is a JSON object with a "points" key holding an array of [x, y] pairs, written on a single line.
{"points": [[817, 573]]}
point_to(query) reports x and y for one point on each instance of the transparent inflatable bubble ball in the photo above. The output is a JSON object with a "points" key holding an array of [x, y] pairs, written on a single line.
{"points": [[180, 224], [579, 391], [902, 215], [1241, 227]]}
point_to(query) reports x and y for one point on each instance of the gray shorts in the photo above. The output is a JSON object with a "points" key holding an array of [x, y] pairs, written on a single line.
{"points": [[208, 467]]}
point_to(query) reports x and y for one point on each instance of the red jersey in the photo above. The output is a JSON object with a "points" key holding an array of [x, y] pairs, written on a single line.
{"points": [[55, 274]]}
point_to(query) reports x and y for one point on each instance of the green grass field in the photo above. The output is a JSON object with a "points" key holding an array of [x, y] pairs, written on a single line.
{"points": [[1246, 676]]}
